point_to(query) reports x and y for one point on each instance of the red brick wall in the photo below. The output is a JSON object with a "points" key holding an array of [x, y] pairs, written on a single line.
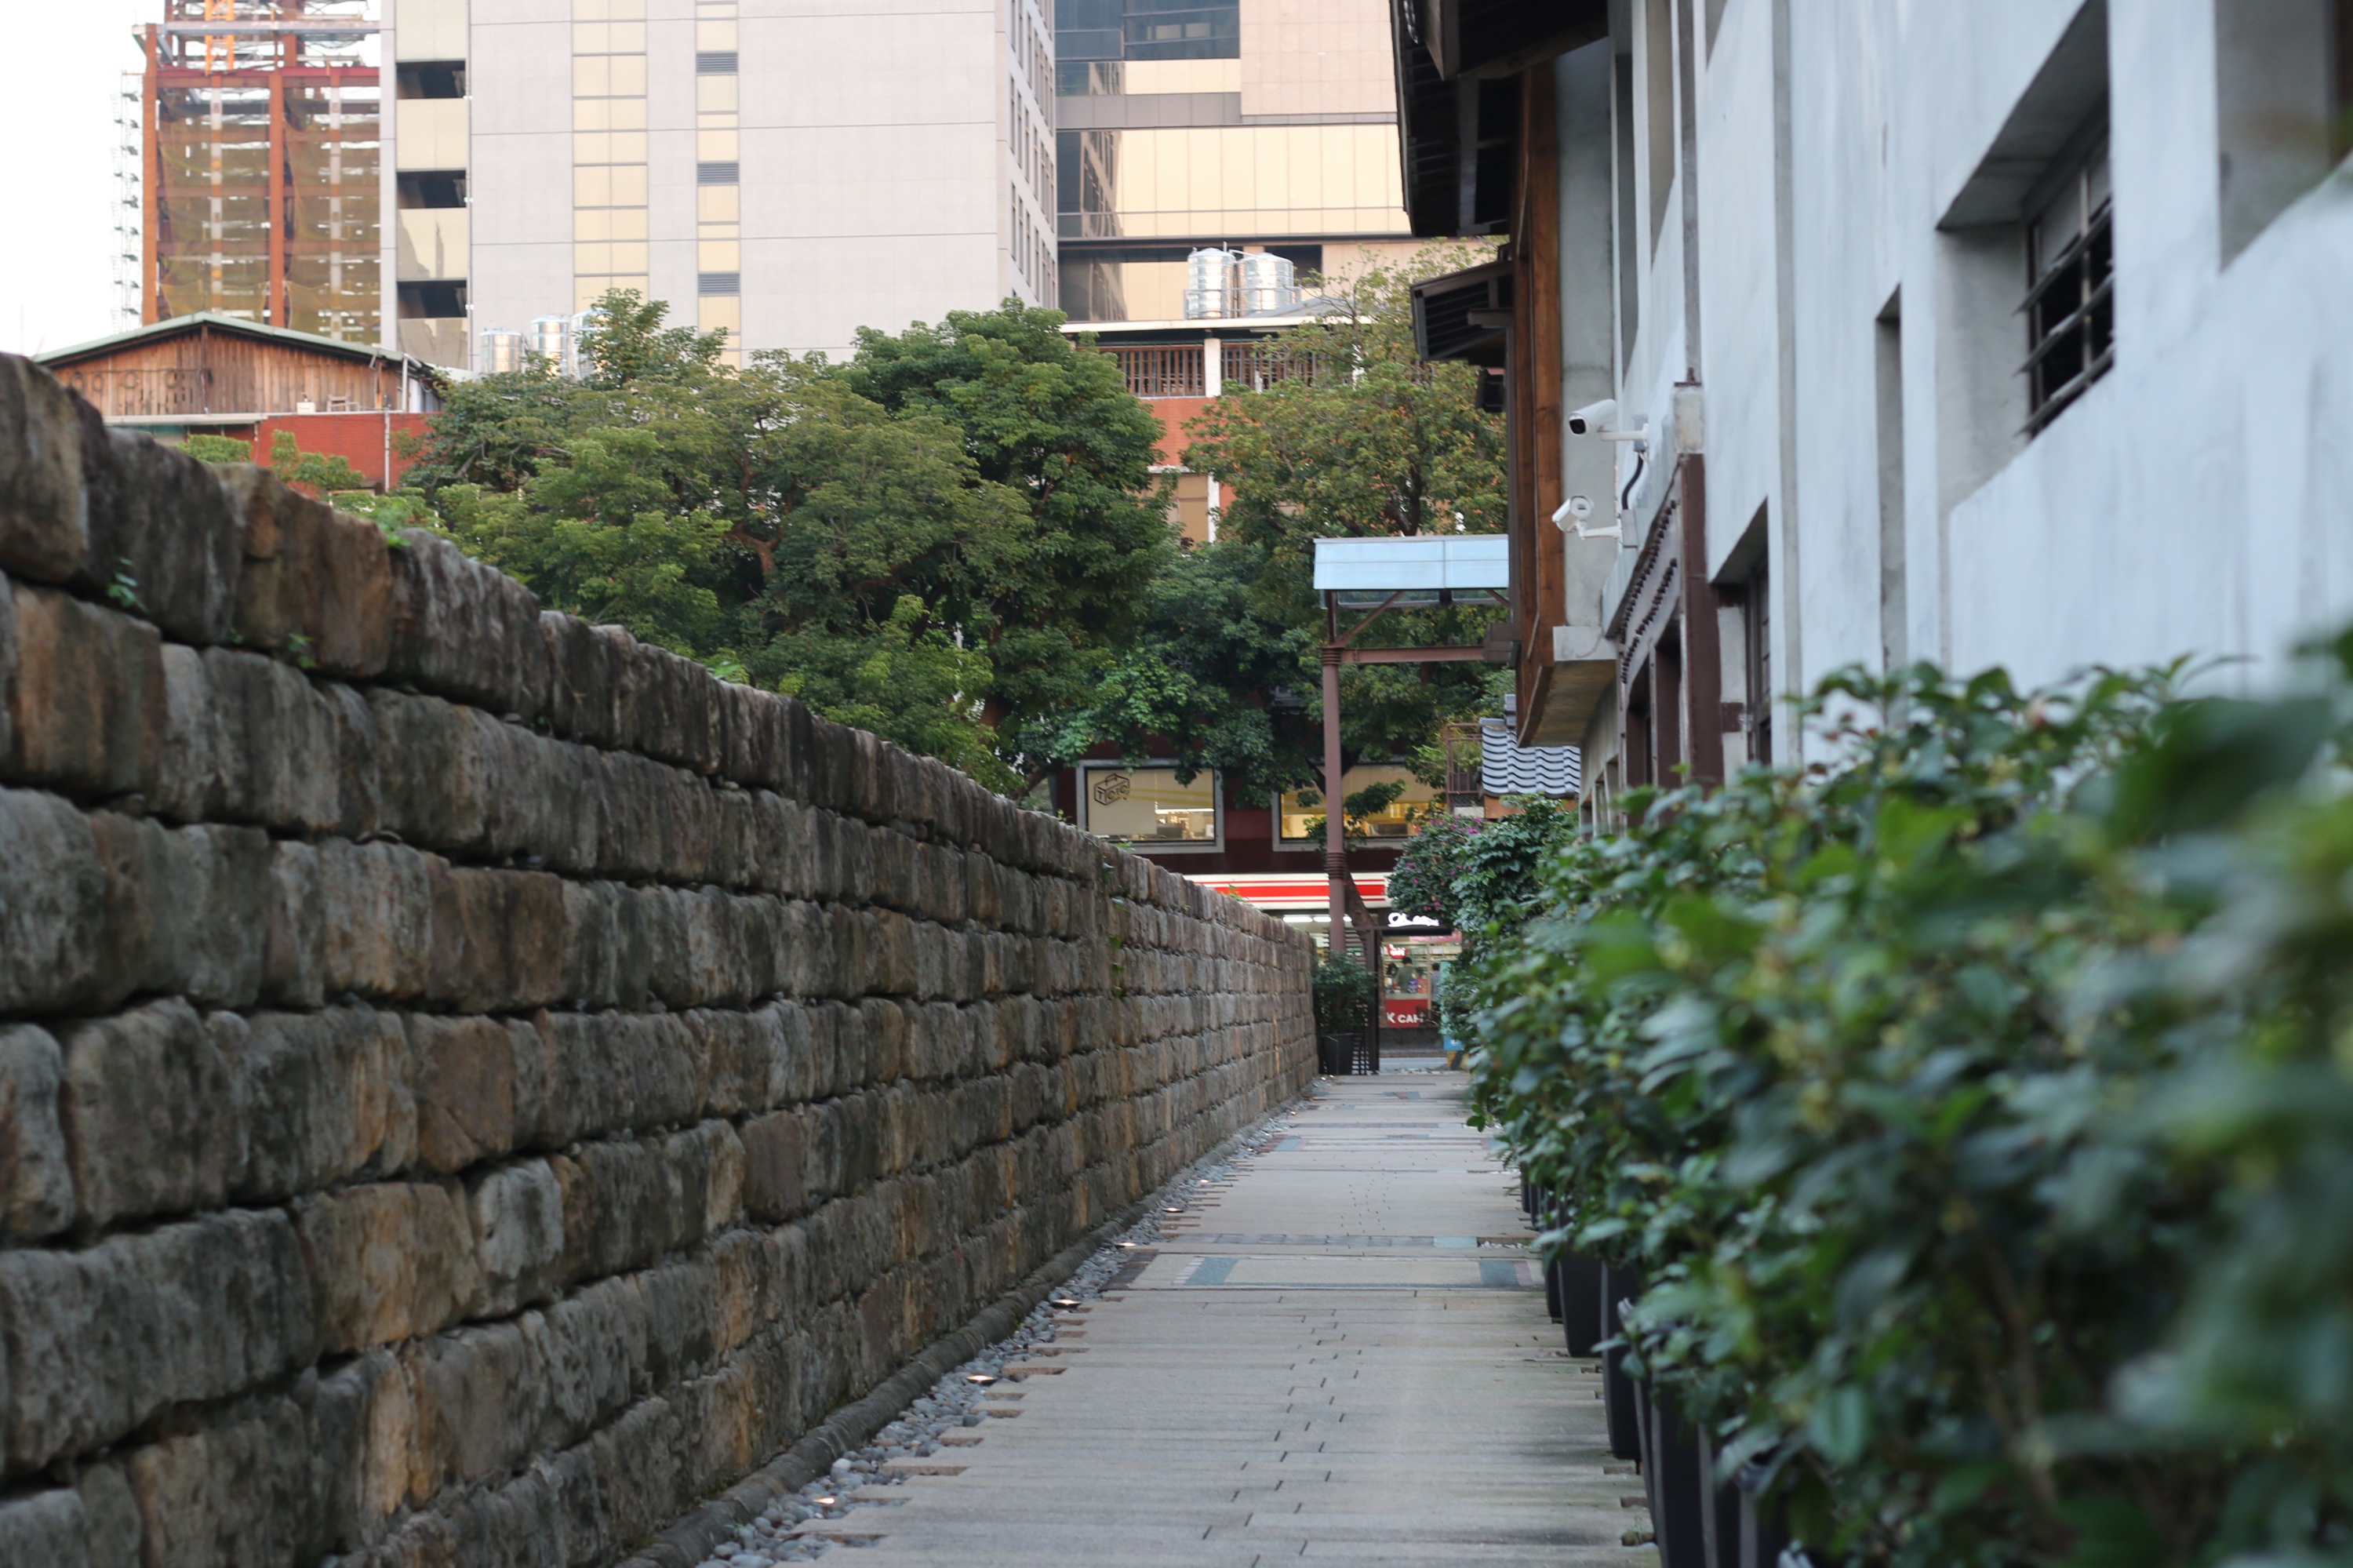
{"points": [[358, 439]]}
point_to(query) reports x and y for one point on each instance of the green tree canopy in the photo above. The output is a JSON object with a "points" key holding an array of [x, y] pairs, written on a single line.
{"points": [[1355, 437], [942, 539]]}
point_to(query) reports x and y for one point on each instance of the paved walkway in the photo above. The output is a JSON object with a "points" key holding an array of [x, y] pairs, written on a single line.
{"points": [[1340, 1355]]}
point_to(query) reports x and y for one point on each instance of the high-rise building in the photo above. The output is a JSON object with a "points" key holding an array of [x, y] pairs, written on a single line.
{"points": [[1253, 126], [259, 166], [786, 174]]}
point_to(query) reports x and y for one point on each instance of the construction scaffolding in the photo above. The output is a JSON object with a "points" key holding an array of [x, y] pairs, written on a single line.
{"points": [[261, 170]]}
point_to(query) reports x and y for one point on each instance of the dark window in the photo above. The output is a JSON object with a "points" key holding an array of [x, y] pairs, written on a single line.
{"points": [[719, 283], [1757, 657], [431, 190], [2071, 312], [727, 173], [714, 62], [431, 79], [440, 301]]}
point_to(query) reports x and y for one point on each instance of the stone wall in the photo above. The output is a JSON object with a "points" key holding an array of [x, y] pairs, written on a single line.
{"points": [[473, 1085]]}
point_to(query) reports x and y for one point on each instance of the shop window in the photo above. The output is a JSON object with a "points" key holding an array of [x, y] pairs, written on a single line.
{"points": [[1300, 817], [1149, 807]]}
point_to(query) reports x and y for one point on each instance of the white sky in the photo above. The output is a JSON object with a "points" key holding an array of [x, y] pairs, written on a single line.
{"points": [[62, 65]]}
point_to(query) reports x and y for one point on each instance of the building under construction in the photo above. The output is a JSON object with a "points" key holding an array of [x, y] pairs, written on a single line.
{"points": [[260, 177]]}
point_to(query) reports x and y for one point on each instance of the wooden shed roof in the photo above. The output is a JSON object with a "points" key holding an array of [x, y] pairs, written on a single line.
{"points": [[156, 332]]}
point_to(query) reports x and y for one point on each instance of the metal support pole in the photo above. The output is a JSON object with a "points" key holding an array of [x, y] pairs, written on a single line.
{"points": [[1335, 827]]}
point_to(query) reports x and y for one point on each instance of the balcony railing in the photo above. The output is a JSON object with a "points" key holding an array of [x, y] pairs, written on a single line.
{"points": [[1161, 370]]}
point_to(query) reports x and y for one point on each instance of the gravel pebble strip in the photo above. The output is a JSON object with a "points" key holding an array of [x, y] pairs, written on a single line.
{"points": [[954, 1402]]}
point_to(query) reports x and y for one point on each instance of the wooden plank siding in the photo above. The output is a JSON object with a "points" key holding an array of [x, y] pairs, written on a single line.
{"points": [[1538, 558], [205, 371]]}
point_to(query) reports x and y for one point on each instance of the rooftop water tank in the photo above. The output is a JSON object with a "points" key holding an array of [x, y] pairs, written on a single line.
{"points": [[551, 337], [1270, 284], [502, 350], [1212, 283], [584, 328]]}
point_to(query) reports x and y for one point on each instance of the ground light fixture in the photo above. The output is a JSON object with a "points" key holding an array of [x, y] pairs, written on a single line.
{"points": [[983, 1379], [1065, 1302]]}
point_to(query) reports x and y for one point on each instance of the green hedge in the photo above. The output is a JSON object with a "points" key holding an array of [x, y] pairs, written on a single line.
{"points": [[1979, 1106]]}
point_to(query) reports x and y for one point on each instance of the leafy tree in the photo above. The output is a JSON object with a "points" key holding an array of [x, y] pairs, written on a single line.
{"points": [[317, 472], [208, 448], [1054, 423], [942, 540], [1357, 437]]}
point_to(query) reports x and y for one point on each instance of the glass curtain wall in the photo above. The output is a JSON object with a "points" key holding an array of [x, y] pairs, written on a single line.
{"points": [[608, 148]]}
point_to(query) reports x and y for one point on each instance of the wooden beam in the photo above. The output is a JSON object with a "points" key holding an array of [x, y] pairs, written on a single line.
{"points": [[1458, 653]]}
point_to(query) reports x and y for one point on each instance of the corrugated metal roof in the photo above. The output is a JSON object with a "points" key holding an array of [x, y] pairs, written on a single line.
{"points": [[1507, 767]]}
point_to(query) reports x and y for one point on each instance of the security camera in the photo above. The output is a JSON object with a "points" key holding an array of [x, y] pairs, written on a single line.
{"points": [[1593, 416], [1571, 515]]}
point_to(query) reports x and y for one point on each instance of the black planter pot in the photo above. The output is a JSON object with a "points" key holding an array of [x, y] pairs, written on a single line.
{"points": [[1553, 1293], [1764, 1522], [1720, 1509], [1680, 1505], [1344, 1053], [1580, 1302], [1619, 1394]]}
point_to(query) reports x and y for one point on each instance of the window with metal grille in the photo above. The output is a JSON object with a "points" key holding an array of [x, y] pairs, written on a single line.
{"points": [[726, 174], [714, 62], [719, 283], [2071, 312]]}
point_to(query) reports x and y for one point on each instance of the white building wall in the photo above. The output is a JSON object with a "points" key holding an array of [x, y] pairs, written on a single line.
{"points": [[879, 174], [2196, 499]]}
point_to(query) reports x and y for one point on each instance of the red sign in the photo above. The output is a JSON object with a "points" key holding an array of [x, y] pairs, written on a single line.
{"points": [[1405, 1013]]}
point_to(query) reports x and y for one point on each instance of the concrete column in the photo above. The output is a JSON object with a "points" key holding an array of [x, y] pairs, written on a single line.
{"points": [[1213, 367]]}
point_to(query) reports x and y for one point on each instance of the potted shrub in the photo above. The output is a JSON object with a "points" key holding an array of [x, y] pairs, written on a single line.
{"points": [[1344, 1008]]}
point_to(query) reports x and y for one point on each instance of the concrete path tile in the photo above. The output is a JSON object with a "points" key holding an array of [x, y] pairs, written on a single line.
{"points": [[1342, 1354]]}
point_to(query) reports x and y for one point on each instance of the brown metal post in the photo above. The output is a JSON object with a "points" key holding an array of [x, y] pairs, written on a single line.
{"points": [[1335, 827], [151, 183], [279, 199]]}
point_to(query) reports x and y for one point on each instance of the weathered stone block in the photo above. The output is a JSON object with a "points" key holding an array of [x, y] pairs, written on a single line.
{"points": [[763, 738], [516, 1216], [327, 1095], [294, 959], [153, 1113], [671, 708], [35, 1171], [775, 1158], [429, 768], [43, 520], [98, 1341], [277, 744], [393, 1260], [53, 920], [627, 1204], [46, 1527], [86, 695], [478, 1086], [111, 1529], [224, 1496], [585, 679], [316, 583], [465, 631], [191, 762], [502, 941], [376, 913], [174, 535], [590, 1356], [475, 1404]]}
